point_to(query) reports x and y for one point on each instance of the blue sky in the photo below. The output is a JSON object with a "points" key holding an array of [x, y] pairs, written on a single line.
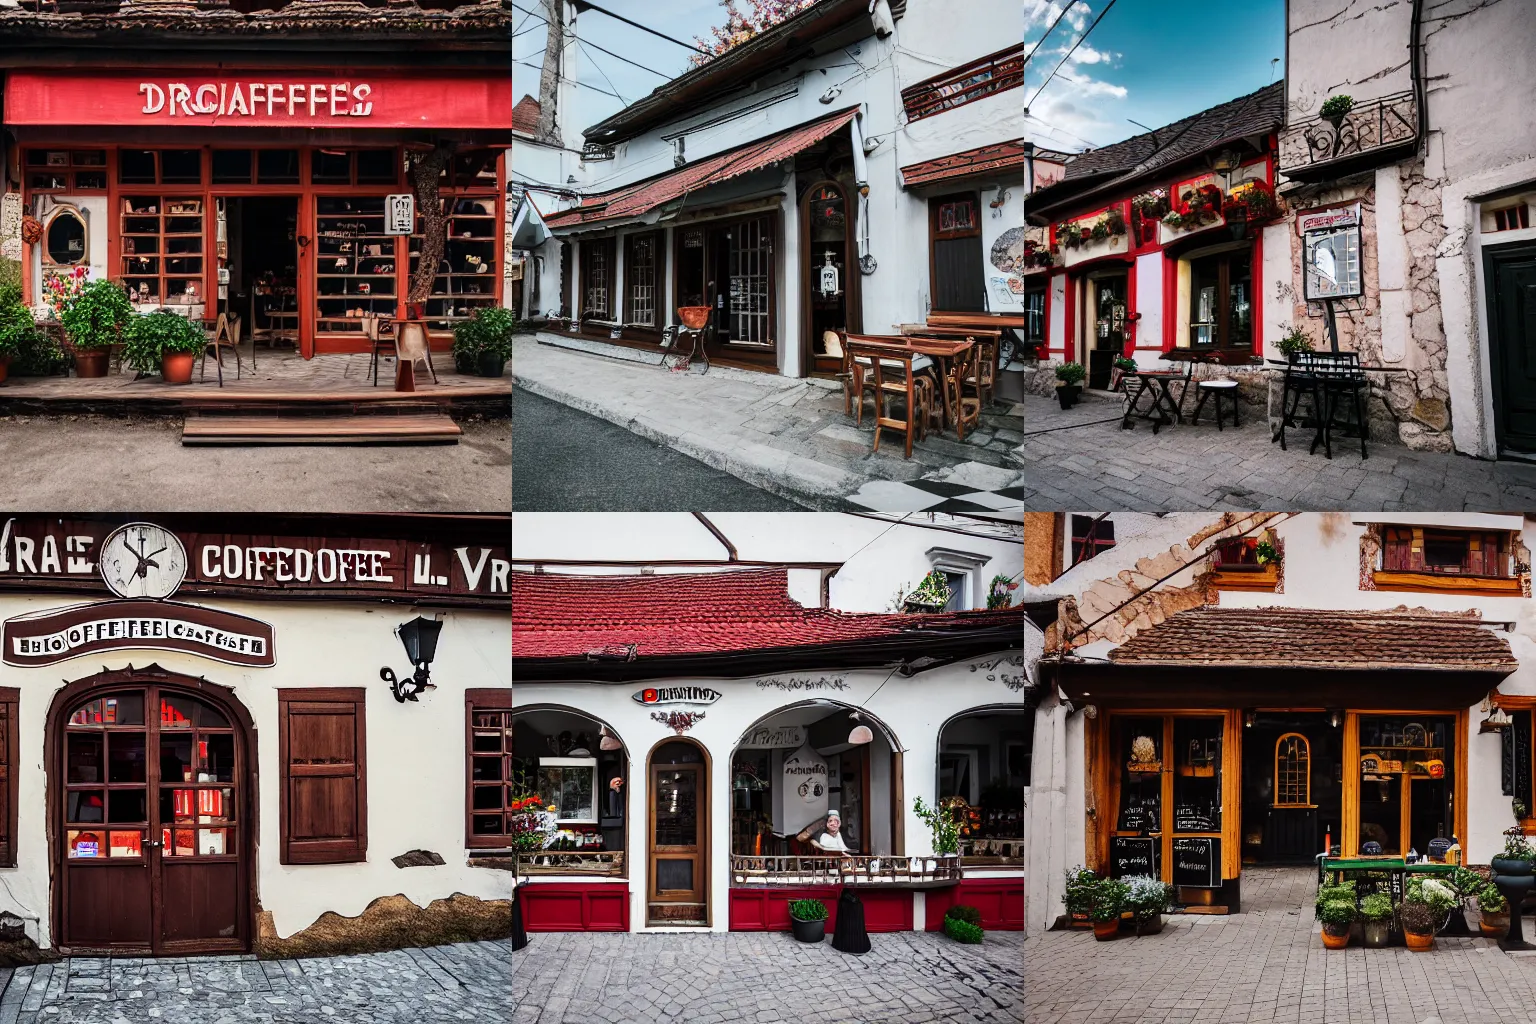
{"points": [[1148, 60]]}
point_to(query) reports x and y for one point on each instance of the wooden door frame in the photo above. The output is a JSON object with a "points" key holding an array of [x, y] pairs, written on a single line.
{"points": [[247, 823], [934, 201], [1349, 842], [853, 317], [1492, 255], [705, 822]]}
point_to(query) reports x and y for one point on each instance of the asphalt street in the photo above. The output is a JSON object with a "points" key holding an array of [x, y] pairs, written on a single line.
{"points": [[101, 464], [568, 461]]}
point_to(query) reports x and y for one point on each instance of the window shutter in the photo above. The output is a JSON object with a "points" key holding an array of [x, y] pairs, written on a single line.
{"points": [[324, 794], [10, 699]]}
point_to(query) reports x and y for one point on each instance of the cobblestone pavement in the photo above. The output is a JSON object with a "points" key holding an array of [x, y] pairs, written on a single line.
{"points": [[907, 978], [465, 982], [785, 435], [1078, 460], [1267, 965]]}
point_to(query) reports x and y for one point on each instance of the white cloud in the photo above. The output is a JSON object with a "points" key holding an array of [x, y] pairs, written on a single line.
{"points": [[1088, 55]]}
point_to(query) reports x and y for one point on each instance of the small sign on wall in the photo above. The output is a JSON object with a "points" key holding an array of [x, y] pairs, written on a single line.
{"points": [[399, 214]]}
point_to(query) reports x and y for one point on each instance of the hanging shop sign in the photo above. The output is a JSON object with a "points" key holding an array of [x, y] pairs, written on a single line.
{"points": [[87, 555], [312, 99], [805, 781], [1327, 220], [770, 737], [1331, 253], [676, 695], [55, 635], [399, 214]]}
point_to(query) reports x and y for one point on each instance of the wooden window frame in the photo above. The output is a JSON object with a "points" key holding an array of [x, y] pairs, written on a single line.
{"points": [[1306, 778], [1223, 342], [657, 280], [985, 76], [590, 248], [1093, 545], [10, 707], [498, 699], [356, 696], [69, 170], [1397, 570]]}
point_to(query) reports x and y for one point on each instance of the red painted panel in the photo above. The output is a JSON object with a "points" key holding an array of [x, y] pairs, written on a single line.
{"points": [[1000, 900], [287, 99], [575, 906], [767, 909]]}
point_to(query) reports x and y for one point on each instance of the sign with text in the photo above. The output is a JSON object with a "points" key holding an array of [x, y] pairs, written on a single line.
{"points": [[1133, 855], [805, 777], [58, 634], [45, 550], [771, 737], [676, 695], [1197, 862], [227, 98], [399, 214]]}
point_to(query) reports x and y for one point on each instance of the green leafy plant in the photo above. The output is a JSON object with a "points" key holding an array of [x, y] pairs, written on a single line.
{"points": [[1000, 592], [941, 822], [1266, 553], [148, 337], [1491, 901], [1337, 913], [32, 350], [1516, 846], [1125, 363], [1335, 107], [1466, 882], [1147, 897], [808, 910], [489, 332], [95, 318], [1435, 894], [1344, 892], [1294, 340], [1071, 373], [961, 912], [963, 931], [1376, 907], [1078, 897], [931, 595], [1109, 896]]}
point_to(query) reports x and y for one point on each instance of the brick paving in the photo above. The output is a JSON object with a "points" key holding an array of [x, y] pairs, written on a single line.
{"points": [[785, 435], [465, 982], [1078, 460], [1267, 965], [906, 978]]}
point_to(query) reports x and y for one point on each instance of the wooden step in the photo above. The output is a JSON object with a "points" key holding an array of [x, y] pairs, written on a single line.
{"points": [[414, 428]]}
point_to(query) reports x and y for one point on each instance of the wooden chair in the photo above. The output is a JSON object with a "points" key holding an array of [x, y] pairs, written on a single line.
{"points": [[383, 344], [226, 334], [851, 373], [895, 371], [965, 384]]}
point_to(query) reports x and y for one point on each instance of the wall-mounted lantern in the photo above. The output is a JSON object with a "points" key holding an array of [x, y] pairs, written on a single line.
{"points": [[420, 639]]}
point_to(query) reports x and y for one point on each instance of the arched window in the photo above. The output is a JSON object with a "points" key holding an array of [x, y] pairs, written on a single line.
{"points": [[1293, 771]]}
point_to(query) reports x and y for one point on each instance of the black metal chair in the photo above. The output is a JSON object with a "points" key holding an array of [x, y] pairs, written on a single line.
{"points": [[1334, 377]]}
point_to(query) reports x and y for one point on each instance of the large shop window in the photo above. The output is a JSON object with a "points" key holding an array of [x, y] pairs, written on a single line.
{"points": [[750, 262], [1406, 779], [1169, 817], [74, 170], [10, 701], [563, 761], [983, 769], [1221, 300], [469, 274], [323, 790], [160, 167], [642, 279], [597, 279], [354, 263], [162, 248]]}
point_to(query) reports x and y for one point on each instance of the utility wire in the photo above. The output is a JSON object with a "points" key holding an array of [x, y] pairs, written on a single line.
{"points": [[1068, 54], [600, 49], [573, 81], [1048, 31], [582, 43], [584, 5]]}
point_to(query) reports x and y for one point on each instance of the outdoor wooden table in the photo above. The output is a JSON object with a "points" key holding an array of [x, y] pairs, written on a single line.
{"points": [[1157, 382], [942, 353]]}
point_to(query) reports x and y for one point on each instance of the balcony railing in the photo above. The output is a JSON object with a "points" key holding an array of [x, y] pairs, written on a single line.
{"points": [[998, 852], [571, 862], [1386, 125], [889, 872], [993, 73]]}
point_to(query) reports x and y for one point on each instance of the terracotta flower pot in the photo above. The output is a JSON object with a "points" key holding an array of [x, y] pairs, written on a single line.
{"points": [[92, 362], [1106, 930], [1419, 943], [176, 367], [1335, 938], [1493, 926], [693, 317]]}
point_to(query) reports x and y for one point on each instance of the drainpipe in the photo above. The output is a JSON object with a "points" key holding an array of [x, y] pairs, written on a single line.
{"points": [[1415, 67], [1029, 168], [861, 180]]}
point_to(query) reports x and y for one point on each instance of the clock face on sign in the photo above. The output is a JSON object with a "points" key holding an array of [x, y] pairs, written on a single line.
{"points": [[143, 560]]}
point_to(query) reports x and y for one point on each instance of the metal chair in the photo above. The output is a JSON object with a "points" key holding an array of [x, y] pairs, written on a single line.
{"points": [[226, 334], [1334, 376]]}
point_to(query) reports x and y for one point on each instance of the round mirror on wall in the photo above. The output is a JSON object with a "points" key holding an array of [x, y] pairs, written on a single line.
{"points": [[66, 238]]}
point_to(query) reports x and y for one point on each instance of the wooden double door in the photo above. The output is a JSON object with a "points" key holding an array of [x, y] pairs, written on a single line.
{"points": [[152, 812]]}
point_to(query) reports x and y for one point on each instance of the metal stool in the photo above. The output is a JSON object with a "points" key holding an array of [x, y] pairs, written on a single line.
{"points": [[1221, 390]]}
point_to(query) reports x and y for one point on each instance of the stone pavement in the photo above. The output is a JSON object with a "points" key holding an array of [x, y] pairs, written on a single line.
{"points": [[1078, 460], [1267, 965], [464, 982], [784, 435], [711, 978]]}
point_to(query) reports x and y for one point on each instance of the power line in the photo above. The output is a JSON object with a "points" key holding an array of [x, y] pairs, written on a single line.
{"points": [[573, 81], [1048, 31], [1068, 54], [600, 49], [584, 5], [583, 45], [1057, 128]]}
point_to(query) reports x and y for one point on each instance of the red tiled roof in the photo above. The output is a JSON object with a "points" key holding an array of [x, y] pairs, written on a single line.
{"points": [[640, 198], [1315, 638], [632, 617], [973, 161], [525, 115]]}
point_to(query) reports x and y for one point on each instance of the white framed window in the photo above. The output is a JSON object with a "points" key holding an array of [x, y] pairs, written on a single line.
{"points": [[961, 570]]}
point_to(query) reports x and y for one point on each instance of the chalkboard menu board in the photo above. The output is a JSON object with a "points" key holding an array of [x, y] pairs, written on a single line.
{"points": [[1197, 862], [1192, 819], [1133, 855]]}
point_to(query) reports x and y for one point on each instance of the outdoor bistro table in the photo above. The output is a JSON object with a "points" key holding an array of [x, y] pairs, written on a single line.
{"points": [[942, 353], [1157, 382], [1286, 366]]}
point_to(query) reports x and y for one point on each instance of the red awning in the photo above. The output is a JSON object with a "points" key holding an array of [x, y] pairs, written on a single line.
{"points": [[635, 200], [984, 159]]}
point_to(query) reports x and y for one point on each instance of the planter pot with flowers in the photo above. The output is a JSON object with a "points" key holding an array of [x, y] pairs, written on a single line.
{"points": [[1335, 109], [1336, 912], [1069, 383], [808, 920], [1376, 916], [163, 342], [1427, 905], [93, 322], [483, 344], [1493, 912], [1109, 897], [1078, 896], [1148, 899]]}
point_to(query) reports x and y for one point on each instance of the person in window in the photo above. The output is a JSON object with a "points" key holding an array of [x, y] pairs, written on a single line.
{"points": [[831, 841]]}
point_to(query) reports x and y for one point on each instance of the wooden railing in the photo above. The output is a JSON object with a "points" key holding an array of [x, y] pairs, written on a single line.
{"points": [[999, 852], [1384, 124], [980, 78], [893, 872], [571, 862]]}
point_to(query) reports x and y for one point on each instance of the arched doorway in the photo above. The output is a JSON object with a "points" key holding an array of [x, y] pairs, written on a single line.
{"points": [[677, 848], [984, 756], [151, 802], [579, 765]]}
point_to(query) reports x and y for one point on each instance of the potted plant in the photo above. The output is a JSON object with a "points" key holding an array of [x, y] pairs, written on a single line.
{"points": [[1123, 365], [93, 321], [941, 822], [1376, 914], [16, 329], [1293, 341], [1335, 909], [1336, 108], [1078, 897], [1148, 899], [808, 919], [483, 344], [1069, 383], [165, 343], [1517, 856], [1493, 912], [1427, 905], [1107, 904], [963, 924]]}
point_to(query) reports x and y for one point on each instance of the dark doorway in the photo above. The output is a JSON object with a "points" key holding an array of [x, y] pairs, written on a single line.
{"points": [[1109, 310], [1292, 786], [1511, 275], [263, 265], [959, 276]]}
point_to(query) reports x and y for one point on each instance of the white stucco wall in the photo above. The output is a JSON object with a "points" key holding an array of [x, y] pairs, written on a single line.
{"points": [[416, 757]]}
